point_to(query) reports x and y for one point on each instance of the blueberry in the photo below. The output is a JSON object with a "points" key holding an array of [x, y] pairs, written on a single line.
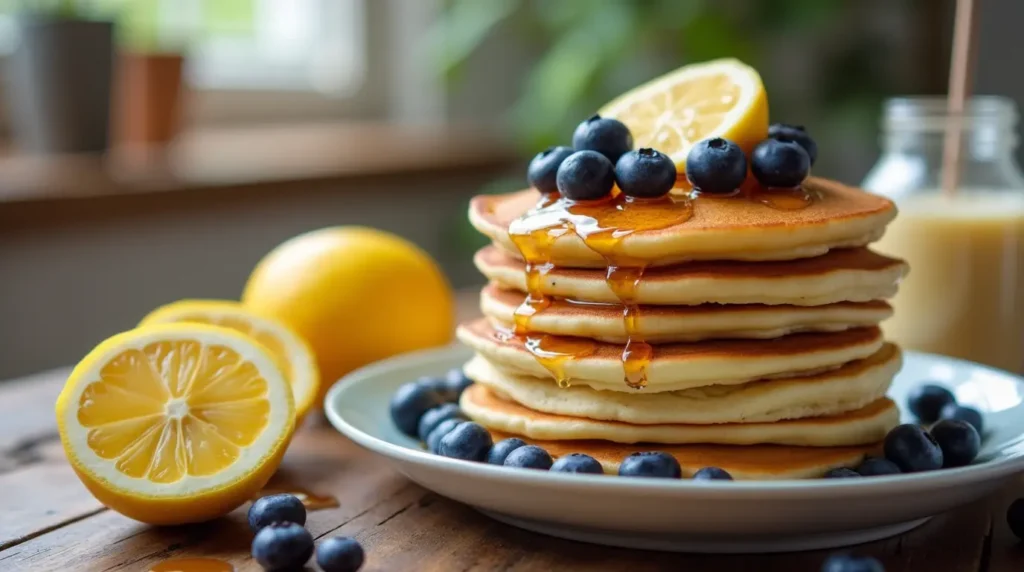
{"points": [[282, 546], [958, 440], [712, 474], [442, 429], [716, 166], [912, 449], [1015, 518], [501, 449], [926, 401], [586, 176], [877, 466], [841, 473], [457, 382], [276, 508], [607, 136], [779, 163], [339, 554], [645, 173], [409, 403], [963, 413], [529, 457], [650, 464], [544, 167], [433, 417], [848, 563], [577, 463], [469, 442], [797, 134], [438, 386]]}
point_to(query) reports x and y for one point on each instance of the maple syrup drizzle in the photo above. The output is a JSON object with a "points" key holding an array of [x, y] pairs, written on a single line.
{"points": [[552, 352], [309, 499], [192, 565]]}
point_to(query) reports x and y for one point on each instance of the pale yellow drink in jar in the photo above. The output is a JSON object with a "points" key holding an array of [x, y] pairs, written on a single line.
{"points": [[964, 296]]}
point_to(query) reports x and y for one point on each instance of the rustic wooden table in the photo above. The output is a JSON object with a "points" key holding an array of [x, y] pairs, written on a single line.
{"points": [[48, 521]]}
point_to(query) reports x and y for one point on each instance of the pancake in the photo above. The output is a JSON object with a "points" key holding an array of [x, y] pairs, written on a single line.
{"points": [[848, 388], [863, 426], [852, 275], [673, 366], [662, 324], [729, 228], [752, 462]]}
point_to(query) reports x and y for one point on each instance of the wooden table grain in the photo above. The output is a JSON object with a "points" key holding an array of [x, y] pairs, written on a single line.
{"points": [[48, 521]]}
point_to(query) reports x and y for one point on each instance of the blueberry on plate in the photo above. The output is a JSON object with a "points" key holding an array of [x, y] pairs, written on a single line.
{"points": [[442, 429], [958, 440], [607, 136], [577, 463], [850, 563], [456, 382], [877, 466], [586, 176], [716, 166], [339, 554], [797, 134], [712, 474], [646, 173], [650, 464], [469, 442], [544, 168], [409, 403], [276, 508], [501, 449], [282, 546], [529, 457], [433, 417], [1015, 518], [841, 473], [912, 449], [437, 385], [926, 401], [963, 413], [777, 163]]}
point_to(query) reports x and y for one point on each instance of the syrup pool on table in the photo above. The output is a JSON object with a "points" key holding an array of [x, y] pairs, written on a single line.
{"points": [[309, 499]]}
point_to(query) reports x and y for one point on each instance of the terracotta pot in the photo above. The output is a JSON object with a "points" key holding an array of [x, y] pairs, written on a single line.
{"points": [[148, 104]]}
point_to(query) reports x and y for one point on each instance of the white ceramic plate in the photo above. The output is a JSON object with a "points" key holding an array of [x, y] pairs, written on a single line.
{"points": [[683, 515]]}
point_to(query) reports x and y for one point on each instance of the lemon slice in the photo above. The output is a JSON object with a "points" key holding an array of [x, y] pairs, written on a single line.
{"points": [[176, 423], [291, 351], [721, 98]]}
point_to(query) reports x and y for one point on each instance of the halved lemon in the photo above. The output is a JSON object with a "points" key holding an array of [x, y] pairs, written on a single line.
{"points": [[291, 351], [176, 423], [721, 98]]}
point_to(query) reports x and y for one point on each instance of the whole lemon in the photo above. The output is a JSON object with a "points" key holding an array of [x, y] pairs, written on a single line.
{"points": [[356, 294]]}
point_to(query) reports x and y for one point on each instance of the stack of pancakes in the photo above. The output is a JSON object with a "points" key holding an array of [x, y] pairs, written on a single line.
{"points": [[738, 332]]}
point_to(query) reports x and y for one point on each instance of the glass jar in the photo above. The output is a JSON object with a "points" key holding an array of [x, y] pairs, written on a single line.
{"points": [[964, 296]]}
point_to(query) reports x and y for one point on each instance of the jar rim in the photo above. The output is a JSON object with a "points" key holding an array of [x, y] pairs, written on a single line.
{"points": [[931, 113]]}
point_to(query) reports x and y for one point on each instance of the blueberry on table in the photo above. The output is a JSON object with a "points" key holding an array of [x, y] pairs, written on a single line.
{"points": [[282, 546], [442, 429], [841, 473], [529, 457], [544, 167], [912, 449], [433, 417], [501, 449], [586, 176], [850, 563], [607, 136], [927, 401], [339, 554], [409, 403], [646, 173], [797, 134], [650, 464], [1015, 518], [958, 440], [469, 442], [456, 382], [963, 413], [276, 508], [712, 474], [716, 166], [777, 163], [577, 463], [877, 466]]}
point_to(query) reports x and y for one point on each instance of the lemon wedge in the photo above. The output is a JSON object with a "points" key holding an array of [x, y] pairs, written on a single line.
{"points": [[720, 98], [293, 354], [176, 423]]}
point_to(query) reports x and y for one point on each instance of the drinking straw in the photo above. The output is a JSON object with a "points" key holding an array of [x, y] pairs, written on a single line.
{"points": [[961, 72]]}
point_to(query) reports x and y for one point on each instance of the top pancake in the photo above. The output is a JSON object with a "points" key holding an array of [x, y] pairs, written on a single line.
{"points": [[729, 228]]}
